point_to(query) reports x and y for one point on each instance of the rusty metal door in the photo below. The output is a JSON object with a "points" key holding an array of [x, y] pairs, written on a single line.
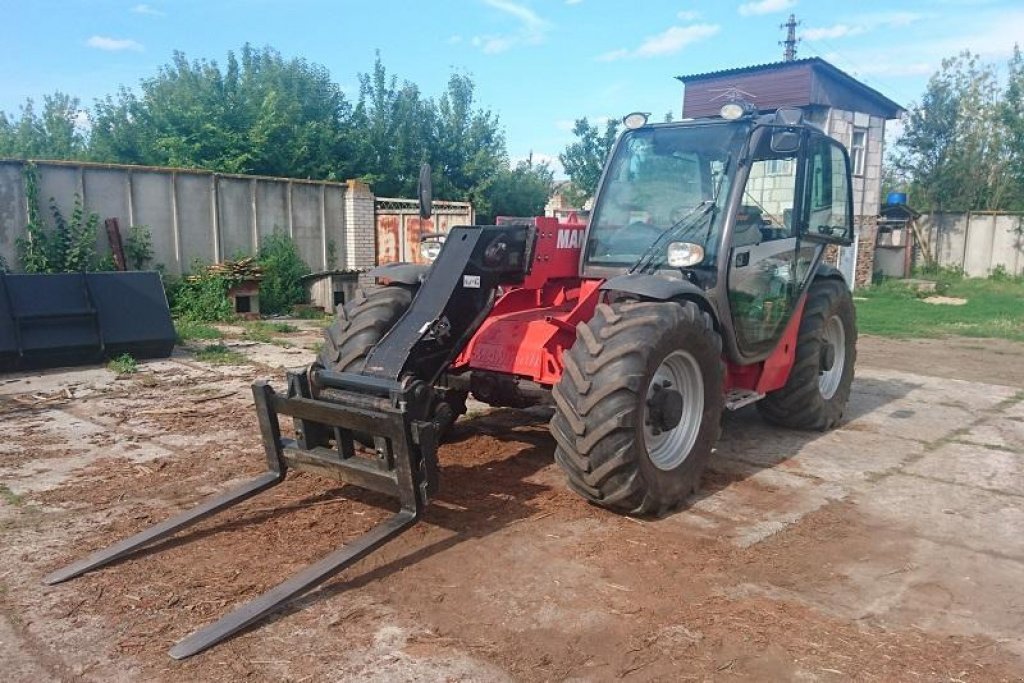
{"points": [[400, 228]]}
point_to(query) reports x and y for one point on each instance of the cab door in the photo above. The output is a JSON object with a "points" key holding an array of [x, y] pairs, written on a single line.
{"points": [[764, 278]]}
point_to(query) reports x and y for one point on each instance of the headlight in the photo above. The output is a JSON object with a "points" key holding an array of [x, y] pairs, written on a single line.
{"points": [[429, 249], [683, 254]]}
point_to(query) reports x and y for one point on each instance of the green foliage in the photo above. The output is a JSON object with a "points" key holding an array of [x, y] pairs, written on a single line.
{"points": [[124, 364], [962, 140], [519, 191], [994, 308], [218, 354], [69, 247], [311, 313], [584, 159], [54, 134], [187, 330], [263, 331], [283, 270], [397, 129], [138, 247], [260, 114], [202, 297]]}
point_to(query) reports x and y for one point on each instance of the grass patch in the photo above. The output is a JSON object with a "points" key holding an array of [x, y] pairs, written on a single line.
{"points": [[10, 497], [218, 354], [310, 313], [188, 330], [123, 365], [994, 309], [263, 331]]}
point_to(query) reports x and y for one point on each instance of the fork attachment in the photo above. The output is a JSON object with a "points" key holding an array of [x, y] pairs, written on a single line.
{"points": [[403, 466], [392, 403]]}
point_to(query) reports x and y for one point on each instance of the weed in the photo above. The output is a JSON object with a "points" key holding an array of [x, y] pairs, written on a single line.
{"points": [[218, 354], [202, 297], [138, 247], [10, 497], [187, 330], [123, 365], [310, 313]]}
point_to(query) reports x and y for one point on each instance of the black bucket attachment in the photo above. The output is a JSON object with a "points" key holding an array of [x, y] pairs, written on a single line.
{"points": [[62, 319]]}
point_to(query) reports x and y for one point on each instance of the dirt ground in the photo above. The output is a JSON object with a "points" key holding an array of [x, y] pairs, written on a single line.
{"points": [[889, 549]]}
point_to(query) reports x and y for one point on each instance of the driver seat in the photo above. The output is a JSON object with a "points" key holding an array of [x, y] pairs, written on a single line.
{"points": [[747, 228]]}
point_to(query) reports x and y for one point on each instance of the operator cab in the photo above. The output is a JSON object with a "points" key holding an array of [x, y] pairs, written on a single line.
{"points": [[739, 206]]}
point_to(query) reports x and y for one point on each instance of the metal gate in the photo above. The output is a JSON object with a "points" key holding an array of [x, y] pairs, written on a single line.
{"points": [[399, 226]]}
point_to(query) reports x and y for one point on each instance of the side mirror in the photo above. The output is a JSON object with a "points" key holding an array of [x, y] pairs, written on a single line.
{"points": [[425, 192]]}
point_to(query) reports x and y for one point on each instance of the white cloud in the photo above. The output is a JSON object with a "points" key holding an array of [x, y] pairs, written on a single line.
{"points": [[531, 29], [687, 15], [454, 40], [148, 9], [668, 42], [765, 7], [526, 15], [861, 24], [113, 44], [573, 2], [829, 32]]}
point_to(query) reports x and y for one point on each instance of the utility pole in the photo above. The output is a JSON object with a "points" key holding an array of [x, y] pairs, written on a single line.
{"points": [[791, 40]]}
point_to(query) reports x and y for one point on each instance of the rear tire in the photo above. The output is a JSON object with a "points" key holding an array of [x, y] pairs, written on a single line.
{"points": [[616, 442], [817, 391]]}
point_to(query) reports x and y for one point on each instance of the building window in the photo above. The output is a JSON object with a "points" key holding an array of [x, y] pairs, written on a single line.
{"points": [[858, 150], [779, 167]]}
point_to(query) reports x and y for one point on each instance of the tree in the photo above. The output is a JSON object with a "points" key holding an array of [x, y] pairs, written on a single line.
{"points": [[54, 134], [1012, 116], [953, 149], [584, 159], [519, 191], [261, 114], [398, 129], [468, 147], [393, 127]]}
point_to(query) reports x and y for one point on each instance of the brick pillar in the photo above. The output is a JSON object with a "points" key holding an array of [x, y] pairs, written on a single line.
{"points": [[360, 227], [867, 235]]}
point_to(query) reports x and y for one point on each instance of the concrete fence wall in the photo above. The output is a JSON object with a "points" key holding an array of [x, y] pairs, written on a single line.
{"points": [[201, 215], [976, 242]]}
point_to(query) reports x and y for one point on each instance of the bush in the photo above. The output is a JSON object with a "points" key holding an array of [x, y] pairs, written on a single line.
{"points": [[138, 247], [283, 270], [202, 297]]}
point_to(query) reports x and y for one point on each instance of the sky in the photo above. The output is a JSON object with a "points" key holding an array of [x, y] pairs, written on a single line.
{"points": [[538, 64]]}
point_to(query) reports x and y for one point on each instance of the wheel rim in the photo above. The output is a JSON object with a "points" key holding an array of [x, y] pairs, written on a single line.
{"points": [[668, 448], [835, 335]]}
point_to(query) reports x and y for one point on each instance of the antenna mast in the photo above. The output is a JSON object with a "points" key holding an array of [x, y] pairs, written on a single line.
{"points": [[791, 40]]}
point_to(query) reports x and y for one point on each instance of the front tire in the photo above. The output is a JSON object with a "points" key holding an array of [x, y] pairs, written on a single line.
{"points": [[638, 406], [818, 387], [360, 325]]}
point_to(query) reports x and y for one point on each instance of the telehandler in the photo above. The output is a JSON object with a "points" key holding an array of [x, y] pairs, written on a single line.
{"points": [[697, 285]]}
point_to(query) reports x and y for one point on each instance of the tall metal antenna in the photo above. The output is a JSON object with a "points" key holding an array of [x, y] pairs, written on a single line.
{"points": [[791, 40]]}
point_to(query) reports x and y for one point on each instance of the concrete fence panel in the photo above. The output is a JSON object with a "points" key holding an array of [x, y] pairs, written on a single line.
{"points": [[976, 242], [207, 217]]}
